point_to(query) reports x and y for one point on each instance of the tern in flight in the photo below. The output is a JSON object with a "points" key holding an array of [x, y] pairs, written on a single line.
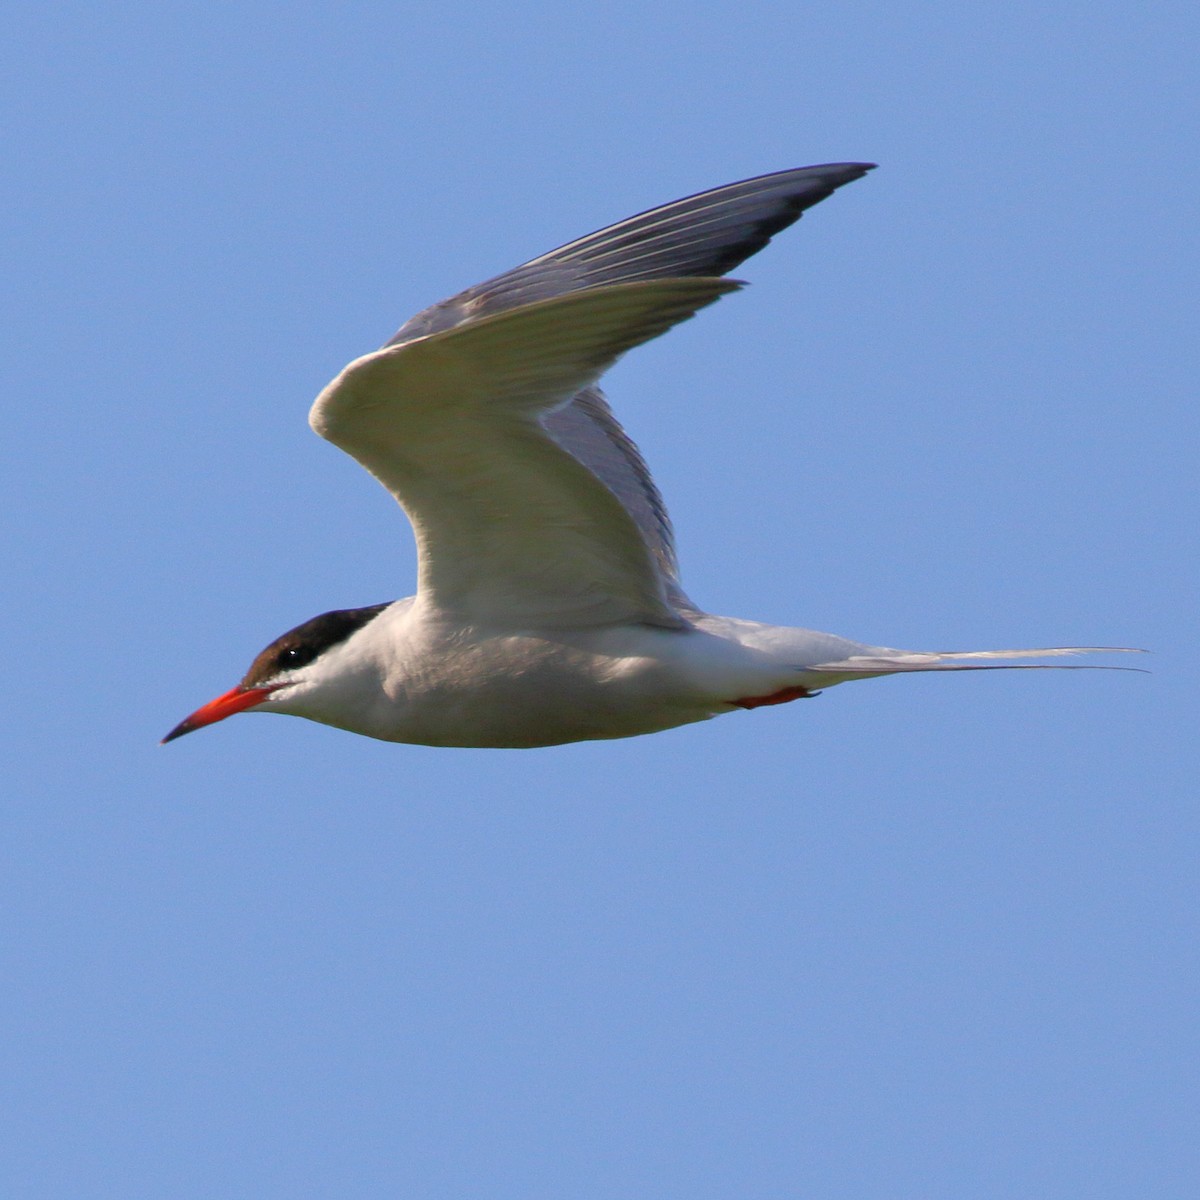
{"points": [[549, 606]]}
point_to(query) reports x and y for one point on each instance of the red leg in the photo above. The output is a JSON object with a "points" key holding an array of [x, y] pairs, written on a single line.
{"points": [[783, 696]]}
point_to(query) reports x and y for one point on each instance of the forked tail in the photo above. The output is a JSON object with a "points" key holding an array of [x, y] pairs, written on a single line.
{"points": [[892, 662]]}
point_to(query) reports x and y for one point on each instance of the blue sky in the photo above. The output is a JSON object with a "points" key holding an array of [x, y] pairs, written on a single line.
{"points": [[931, 938]]}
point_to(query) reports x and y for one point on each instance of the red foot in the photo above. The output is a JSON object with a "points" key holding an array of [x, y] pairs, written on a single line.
{"points": [[783, 696]]}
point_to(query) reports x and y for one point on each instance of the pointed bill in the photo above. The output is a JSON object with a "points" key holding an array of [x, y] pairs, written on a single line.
{"points": [[235, 700]]}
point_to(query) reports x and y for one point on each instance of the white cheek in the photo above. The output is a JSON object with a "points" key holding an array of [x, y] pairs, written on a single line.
{"points": [[289, 698]]}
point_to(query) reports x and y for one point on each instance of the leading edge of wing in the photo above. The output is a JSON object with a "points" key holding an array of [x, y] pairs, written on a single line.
{"points": [[508, 523]]}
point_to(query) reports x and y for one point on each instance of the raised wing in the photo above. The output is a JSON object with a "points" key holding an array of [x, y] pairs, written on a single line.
{"points": [[511, 527], [703, 235], [481, 415]]}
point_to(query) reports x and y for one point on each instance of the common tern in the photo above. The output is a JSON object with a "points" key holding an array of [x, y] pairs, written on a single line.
{"points": [[549, 606]]}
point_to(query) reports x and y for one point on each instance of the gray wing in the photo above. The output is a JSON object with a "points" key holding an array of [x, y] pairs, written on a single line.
{"points": [[707, 234], [587, 430]]}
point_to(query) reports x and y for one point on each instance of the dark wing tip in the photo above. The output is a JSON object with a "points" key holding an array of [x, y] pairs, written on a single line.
{"points": [[705, 234], [709, 232], [784, 197]]}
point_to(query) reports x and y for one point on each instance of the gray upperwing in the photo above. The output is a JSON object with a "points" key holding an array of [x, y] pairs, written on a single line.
{"points": [[587, 430], [705, 234]]}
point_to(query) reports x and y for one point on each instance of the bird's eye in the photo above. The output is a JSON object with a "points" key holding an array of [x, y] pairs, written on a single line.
{"points": [[295, 656]]}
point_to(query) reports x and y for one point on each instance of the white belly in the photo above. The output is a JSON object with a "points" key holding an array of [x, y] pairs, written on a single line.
{"points": [[522, 691]]}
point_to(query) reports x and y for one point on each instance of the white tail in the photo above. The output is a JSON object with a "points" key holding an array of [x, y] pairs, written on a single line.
{"points": [[894, 662]]}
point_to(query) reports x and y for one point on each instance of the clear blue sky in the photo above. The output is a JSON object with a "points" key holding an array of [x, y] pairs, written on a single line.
{"points": [[930, 938]]}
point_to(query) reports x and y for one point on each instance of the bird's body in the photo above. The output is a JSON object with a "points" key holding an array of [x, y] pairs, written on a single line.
{"points": [[549, 606], [425, 677]]}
